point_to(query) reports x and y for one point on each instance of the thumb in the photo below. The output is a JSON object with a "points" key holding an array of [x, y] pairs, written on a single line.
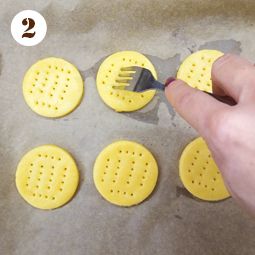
{"points": [[195, 106]]}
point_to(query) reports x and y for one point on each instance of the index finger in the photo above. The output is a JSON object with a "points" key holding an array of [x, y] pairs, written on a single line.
{"points": [[196, 107], [235, 76]]}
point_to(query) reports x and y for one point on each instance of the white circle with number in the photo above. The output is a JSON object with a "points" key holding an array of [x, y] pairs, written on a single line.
{"points": [[28, 28]]}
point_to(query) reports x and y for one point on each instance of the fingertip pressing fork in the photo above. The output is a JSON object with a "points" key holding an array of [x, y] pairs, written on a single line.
{"points": [[139, 79]]}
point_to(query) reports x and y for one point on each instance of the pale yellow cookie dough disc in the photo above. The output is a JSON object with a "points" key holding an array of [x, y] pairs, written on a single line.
{"points": [[125, 173], [119, 99], [199, 173], [196, 69], [47, 177], [52, 87]]}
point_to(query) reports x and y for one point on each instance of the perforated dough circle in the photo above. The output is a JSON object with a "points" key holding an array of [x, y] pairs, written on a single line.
{"points": [[199, 173], [122, 100], [196, 69], [125, 173], [52, 87], [47, 177]]}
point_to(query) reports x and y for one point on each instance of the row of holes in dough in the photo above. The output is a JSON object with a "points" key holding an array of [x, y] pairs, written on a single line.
{"points": [[130, 175], [42, 166], [48, 185]]}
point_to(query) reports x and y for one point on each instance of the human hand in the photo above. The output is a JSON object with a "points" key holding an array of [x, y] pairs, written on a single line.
{"points": [[228, 130]]}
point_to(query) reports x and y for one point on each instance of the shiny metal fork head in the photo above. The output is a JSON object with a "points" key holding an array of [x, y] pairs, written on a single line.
{"points": [[128, 77]]}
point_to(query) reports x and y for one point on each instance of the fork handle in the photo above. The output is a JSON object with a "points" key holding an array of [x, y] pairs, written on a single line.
{"points": [[224, 99], [158, 85]]}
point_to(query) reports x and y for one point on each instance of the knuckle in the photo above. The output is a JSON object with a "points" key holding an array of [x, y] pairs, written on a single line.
{"points": [[246, 72], [185, 98], [219, 127]]}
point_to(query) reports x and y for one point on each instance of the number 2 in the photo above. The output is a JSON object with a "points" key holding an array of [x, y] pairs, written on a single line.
{"points": [[31, 23]]}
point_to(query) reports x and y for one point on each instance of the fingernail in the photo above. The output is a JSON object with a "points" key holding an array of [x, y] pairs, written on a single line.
{"points": [[169, 81]]}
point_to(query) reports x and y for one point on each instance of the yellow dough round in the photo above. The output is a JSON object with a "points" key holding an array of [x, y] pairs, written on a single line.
{"points": [[196, 69], [119, 99], [47, 177], [52, 87], [125, 173], [199, 173]]}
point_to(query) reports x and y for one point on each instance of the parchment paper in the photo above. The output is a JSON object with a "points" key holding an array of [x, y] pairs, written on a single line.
{"points": [[170, 221]]}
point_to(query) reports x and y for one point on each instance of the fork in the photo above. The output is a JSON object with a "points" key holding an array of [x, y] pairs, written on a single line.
{"points": [[139, 79]]}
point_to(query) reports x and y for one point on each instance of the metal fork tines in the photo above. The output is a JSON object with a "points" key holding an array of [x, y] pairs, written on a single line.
{"points": [[138, 79]]}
